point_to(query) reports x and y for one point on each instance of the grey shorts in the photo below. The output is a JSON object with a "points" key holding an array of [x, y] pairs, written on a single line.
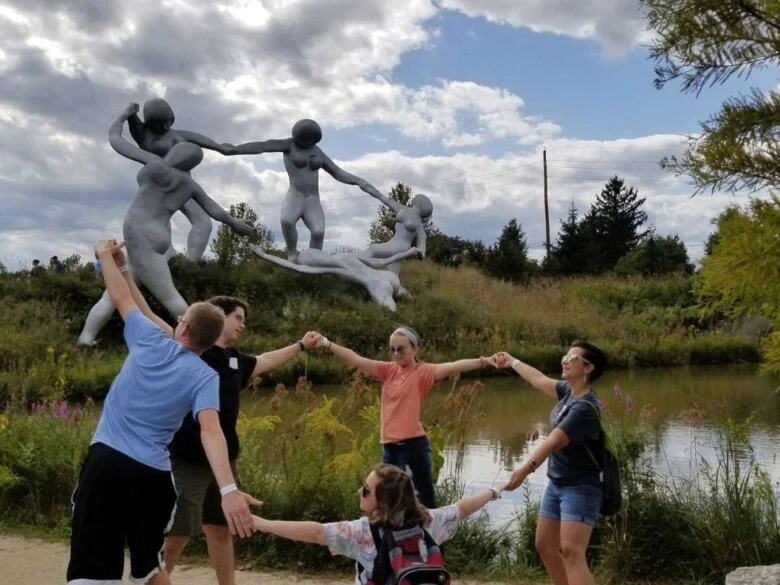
{"points": [[199, 501]]}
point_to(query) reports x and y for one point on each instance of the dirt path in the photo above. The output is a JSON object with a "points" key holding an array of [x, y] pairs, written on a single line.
{"points": [[30, 560]]}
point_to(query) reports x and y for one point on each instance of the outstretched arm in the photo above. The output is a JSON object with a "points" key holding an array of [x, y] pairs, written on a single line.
{"points": [[530, 374], [557, 439], [349, 357], [313, 532], [284, 263], [213, 208], [206, 142], [117, 288], [273, 359], [442, 371], [282, 145], [123, 146], [471, 504], [382, 262]]}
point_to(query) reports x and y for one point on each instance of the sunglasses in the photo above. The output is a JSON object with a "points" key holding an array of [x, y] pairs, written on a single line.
{"points": [[573, 357], [365, 491], [399, 349]]}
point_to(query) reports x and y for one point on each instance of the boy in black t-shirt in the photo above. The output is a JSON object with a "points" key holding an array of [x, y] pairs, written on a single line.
{"points": [[198, 505]]}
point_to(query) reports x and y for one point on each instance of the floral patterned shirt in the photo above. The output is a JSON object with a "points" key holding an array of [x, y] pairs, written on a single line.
{"points": [[353, 538]]}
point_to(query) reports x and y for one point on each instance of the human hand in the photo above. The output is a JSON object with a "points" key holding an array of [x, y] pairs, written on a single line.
{"points": [[503, 359], [132, 109], [311, 339], [104, 247], [518, 476], [235, 506], [259, 523], [228, 149], [488, 361], [242, 227], [322, 341]]}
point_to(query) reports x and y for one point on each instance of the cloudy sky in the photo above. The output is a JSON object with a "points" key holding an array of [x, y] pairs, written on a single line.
{"points": [[454, 97]]}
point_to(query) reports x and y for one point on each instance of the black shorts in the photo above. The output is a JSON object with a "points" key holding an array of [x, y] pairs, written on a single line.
{"points": [[118, 500]]}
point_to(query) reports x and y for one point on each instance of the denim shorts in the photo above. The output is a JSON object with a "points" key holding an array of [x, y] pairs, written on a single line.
{"points": [[572, 503]]}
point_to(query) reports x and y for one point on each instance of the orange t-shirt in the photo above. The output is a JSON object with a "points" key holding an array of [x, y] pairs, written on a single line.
{"points": [[403, 392]]}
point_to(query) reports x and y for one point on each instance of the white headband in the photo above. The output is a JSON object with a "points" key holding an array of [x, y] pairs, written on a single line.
{"points": [[408, 334]]}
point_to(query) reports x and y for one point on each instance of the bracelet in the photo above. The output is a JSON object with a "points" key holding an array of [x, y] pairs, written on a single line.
{"points": [[515, 362], [533, 464], [123, 268], [328, 342], [231, 487], [300, 345], [496, 493]]}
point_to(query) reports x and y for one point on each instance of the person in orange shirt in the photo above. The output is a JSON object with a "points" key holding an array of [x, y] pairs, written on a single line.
{"points": [[405, 385]]}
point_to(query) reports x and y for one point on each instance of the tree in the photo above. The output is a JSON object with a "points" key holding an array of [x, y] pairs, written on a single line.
{"points": [[704, 43], [72, 262], [571, 252], [507, 259], [231, 248], [613, 225], [656, 255], [383, 226], [454, 250], [741, 277]]}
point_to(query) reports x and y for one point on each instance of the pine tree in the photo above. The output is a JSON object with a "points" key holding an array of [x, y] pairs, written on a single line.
{"points": [[231, 248], [569, 255], [702, 43], [613, 224], [507, 259]]}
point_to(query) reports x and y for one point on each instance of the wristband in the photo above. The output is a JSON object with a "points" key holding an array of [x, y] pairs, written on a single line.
{"points": [[327, 342], [123, 268], [496, 493], [515, 362], [300, 345], [232, 487], [533, 464]]}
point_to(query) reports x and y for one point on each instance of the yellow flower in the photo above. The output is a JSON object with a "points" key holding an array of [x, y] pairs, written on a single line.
{"points": [[3, 421]]}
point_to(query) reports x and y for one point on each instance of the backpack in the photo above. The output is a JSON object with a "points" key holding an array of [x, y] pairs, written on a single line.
{"points": [[407, 557], [609, 471]]}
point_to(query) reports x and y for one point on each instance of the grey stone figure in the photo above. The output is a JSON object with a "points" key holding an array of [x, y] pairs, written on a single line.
{"points": [[156, 135], [383, 286], [302, 160], [164, 185], [409, 229]]}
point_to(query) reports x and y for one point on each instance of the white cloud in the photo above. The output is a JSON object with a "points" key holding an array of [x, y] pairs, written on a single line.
{"points": [[617, 25]]}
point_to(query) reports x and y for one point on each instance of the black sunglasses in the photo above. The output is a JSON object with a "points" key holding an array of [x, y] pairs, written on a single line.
{"points": [[365, 491], [399, 349]]}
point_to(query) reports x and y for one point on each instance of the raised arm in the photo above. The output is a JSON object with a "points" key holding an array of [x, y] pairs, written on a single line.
{"points": [[276, 145], [442, 371], [207, 142], [312, 532], [123, 146], [137, 129], [273, 359], [530, 374], [116, 285], [349, 357]]}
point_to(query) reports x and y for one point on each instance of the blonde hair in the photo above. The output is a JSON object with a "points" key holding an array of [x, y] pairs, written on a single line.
{"points": [[396, 503], [204, 323]]}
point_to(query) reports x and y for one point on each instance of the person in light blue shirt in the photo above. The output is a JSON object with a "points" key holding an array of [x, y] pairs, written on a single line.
{"points": [[125, 492]]}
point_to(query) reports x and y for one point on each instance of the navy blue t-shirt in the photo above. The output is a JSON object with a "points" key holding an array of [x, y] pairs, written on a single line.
{"points": [[572, 465]]}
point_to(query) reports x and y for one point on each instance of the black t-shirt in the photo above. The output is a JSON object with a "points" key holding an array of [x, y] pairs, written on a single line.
{"points": [[235, 370], [572, 465]]}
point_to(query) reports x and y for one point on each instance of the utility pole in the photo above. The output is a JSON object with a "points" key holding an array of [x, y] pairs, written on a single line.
{"points": [[546, 207]]}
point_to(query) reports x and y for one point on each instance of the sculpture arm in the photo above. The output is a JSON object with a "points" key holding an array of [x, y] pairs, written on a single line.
{"points": [[275, 145], [206, 142], [421, 241], [211, 207], [137, 129], [122, 146], [382, 262]]}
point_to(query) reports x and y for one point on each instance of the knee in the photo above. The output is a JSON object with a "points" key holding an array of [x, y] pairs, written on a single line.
{"points": [[175, 544], [572, 554], [546, 547], [218, 534]]}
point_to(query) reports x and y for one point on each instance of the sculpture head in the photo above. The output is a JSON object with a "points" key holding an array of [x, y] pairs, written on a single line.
{"points": [[306, 133], [423, 204], [158, 115], [184, 156]]}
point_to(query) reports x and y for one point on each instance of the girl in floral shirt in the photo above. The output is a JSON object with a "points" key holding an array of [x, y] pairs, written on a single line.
{"points": [[388, 499]]}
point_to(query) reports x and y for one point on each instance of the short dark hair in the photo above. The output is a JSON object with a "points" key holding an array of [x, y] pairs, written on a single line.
{"points": [[229, 304], [595, 356], [36, 261]]}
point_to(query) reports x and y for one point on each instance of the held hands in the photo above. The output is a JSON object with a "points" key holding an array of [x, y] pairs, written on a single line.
{"points": [[503, 359], [242, 227], [319, 340], [227, 149], [235, 506], [311, 339], [105, 247], [518, 477]]}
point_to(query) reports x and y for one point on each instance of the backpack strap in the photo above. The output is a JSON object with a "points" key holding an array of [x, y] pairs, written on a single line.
{"points": [[602, 437]]}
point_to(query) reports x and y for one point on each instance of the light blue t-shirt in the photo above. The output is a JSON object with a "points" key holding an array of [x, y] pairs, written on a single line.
{"points": [[158, 385]]}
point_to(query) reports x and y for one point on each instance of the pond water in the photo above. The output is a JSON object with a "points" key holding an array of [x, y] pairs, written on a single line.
{"points": [[687, 405]]}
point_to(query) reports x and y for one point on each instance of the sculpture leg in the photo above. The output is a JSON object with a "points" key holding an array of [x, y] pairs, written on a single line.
{"points": [[292, 211], [98, 316], [155, 275], [314, 218], [200, 230]]}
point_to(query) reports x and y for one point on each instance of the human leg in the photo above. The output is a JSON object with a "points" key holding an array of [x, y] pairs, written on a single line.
{"points": [[421, 465], [192, 483], [580, 507], [314, 219], [97, 539], [154, 273], [548, 541], [394, 454]]}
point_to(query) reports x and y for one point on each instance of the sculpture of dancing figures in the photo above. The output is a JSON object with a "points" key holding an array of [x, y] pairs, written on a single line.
{"points": [[164, 185], [383, 286], [409, 229], [155, 135], [302, 160]]}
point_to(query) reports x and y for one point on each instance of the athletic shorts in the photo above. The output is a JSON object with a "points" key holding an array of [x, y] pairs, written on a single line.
{"points": [[118, 500], [199, 501]]}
